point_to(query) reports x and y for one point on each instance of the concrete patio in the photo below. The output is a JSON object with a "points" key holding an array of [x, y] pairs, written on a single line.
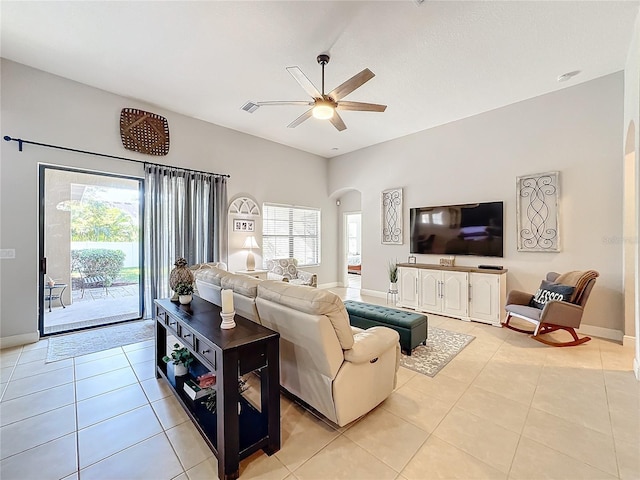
{"points": [[99, 306]]}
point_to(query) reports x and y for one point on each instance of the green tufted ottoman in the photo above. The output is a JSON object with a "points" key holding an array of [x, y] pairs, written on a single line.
{"points": [[412, 327]]}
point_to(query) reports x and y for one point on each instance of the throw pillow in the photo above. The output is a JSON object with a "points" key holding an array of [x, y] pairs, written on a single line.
{"points": [[551, 291]]}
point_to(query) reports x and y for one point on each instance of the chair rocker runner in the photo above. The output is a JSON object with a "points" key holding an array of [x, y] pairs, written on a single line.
{"points": [[547, 312]]}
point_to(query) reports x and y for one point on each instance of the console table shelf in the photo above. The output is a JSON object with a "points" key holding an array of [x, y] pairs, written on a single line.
{"points": [[248, 347]]}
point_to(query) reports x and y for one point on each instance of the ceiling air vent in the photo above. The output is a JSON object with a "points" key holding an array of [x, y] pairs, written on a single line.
{"points": [[250, 107]]}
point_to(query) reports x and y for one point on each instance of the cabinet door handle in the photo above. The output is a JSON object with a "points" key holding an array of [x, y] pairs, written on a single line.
{"points": [[416, 282], [172, 323], [186, 335], [470, 290], [205, 351]]}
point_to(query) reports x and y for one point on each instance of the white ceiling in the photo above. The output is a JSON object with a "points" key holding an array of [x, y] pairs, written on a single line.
{"points": [[434, 63]]}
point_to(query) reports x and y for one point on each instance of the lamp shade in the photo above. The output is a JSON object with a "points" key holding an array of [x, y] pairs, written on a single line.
{"points": [[250, 242]]}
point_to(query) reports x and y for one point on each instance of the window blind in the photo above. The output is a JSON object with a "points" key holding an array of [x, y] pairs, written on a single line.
{"points": [[289, 231]]}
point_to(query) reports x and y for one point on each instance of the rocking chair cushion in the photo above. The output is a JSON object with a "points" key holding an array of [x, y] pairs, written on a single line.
{"points": [[551, 291], [524, 311]]}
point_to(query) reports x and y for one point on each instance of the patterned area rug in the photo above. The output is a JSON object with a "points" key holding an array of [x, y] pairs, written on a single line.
{"points": [[98, 339], [442, 346]]}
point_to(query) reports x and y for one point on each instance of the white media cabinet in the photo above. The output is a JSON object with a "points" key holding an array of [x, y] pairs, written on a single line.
{"points": [[467, 293]]}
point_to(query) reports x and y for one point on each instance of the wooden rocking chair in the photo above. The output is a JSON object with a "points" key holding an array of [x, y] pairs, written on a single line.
{"points": [[556, 315]]}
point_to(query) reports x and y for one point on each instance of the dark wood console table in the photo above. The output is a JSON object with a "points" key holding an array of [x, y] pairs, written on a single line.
{"points": [[231, 435]]}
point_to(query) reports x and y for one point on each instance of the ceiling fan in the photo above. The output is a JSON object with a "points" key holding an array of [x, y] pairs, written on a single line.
{"points": [[325, 106]]}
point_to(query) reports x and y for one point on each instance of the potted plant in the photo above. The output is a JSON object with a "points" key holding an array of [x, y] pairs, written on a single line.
{"points": [[393, 276], [185, 292], [181, 358]]}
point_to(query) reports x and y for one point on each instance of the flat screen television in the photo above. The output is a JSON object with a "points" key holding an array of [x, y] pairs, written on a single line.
{"points": [[469, 229]]}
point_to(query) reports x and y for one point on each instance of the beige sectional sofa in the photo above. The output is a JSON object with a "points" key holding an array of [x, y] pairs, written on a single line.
{"points": [[210, 280], [341, 371]]}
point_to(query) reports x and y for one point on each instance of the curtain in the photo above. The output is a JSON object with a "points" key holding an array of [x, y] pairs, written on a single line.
{"points": [[185, 216]]}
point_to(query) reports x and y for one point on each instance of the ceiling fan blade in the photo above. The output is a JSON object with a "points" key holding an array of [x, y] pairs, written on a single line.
{"points": [[304, 82], [361, 107], [350, 85], [337, 122], [300, 119], [294, 102]]}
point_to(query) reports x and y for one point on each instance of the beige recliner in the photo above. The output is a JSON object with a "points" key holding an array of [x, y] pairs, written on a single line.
{"points": [[546, 312], [341, 371]]}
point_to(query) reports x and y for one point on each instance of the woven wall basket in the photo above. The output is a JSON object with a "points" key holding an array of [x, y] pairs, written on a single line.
{"points": [[144, 132]]}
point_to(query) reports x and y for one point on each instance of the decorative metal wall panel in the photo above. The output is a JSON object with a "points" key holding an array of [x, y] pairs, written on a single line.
{"points": [[538, 212], [392, 217]]}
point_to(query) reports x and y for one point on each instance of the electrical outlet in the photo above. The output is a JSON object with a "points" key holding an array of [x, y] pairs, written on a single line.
{"points": [[7, 253]]}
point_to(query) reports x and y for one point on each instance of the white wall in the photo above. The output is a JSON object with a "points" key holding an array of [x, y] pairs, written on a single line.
{"points": [[632, 115], [577, 131], [45, 108]]}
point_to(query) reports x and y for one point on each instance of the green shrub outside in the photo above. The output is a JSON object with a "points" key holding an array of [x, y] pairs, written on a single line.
{"points": [[98, 261]]}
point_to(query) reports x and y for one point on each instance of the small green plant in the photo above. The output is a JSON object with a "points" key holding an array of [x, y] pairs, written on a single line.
{"points": [[393, 271], [184, 289], [180, 355]]}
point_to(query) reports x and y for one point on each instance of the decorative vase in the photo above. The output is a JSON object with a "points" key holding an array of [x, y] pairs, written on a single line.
{"points": [[393, 287], [180, 274], [185, 299], [179, 369], [175, 370]]}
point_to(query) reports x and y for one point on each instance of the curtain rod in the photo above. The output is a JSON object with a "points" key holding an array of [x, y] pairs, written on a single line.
{"points": [[21, 141]]}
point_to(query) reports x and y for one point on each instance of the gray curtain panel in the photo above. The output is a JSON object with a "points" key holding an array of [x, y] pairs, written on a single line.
{"points": [[185, 216]]}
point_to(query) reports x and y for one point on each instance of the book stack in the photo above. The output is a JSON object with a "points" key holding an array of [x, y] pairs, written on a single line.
{"points": [[200, 387]]}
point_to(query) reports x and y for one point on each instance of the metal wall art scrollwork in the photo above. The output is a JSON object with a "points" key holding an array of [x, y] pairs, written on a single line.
{"points": [[392, 217], [538, 212]]}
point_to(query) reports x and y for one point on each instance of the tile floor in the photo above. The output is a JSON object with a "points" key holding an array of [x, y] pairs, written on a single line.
{"points": [[506, 407]]}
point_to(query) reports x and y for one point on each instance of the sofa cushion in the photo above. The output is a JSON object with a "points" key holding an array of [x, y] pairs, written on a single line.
{"points": [[242, 284], [211, 275], [204, 266], [312, 301], [524, 311]]}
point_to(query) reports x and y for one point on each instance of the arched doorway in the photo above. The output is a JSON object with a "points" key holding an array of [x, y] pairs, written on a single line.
{"points": [[350, 233]]}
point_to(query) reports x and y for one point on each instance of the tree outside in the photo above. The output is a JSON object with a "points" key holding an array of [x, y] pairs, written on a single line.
{"points": [[103, 215]]}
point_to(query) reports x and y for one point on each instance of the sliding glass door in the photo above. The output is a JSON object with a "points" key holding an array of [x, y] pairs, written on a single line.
{"points": [[90, 249]]}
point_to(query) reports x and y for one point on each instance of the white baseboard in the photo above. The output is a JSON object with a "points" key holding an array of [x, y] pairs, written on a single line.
{"points": [[628, 341], [608, 333], [636, 367], [15, 340], [328, 285], [373, 293]]}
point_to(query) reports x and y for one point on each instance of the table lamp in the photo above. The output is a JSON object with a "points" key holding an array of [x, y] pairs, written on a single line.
{"points": [[250, 243]]}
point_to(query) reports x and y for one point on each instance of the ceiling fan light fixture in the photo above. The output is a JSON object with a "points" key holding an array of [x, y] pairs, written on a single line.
{"points": [[322, 111]]}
